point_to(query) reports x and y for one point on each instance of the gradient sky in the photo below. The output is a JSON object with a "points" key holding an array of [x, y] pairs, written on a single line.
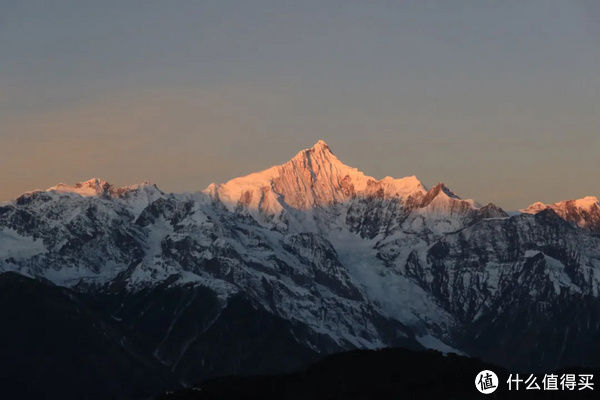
{"points": [[499, 99]]}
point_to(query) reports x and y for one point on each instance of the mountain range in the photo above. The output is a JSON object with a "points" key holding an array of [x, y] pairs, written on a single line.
{"points": [[273, 270]]}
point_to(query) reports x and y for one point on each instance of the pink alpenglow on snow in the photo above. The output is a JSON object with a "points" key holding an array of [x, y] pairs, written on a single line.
{"points": [[584, 212], [313, 177]]}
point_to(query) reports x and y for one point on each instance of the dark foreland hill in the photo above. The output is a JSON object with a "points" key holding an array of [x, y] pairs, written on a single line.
{"points": [[54, 346], [388, 374], [122, 292]]}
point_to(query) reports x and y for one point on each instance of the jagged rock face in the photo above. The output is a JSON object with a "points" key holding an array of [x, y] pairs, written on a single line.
{"points": [[584, 212], [337, 258]]}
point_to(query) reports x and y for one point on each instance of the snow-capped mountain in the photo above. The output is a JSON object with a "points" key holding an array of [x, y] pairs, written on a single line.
{"points": [[324, 258], [584, 212], [314, 177]]}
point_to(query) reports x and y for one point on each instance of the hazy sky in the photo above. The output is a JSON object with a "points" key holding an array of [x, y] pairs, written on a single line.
{"points": [[499, 99]]}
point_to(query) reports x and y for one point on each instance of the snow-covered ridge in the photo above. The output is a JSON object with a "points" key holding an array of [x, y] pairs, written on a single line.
{"points": [[586, 202], [98, 187], [535, 208], [313, 177], [584, 212]]}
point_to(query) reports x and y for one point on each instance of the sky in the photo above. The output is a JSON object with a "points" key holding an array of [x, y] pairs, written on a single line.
{"points": [[498, 99]]}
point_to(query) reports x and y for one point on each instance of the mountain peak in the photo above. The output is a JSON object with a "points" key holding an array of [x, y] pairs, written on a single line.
{"points": [[313, 177], [443, 200], [535, 207], [91, 187], [586, 202], [318, 150], [97, 187], [438, 191], [321, 144], [583, 212], [442, 188]]}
